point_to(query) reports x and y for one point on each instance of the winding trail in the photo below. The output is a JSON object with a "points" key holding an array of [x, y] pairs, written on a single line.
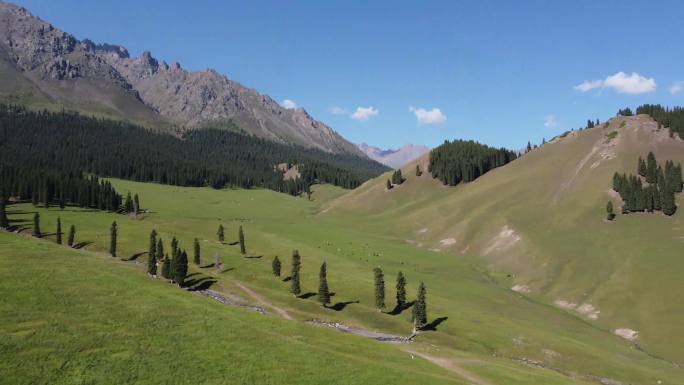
{"points": [[255, 296], [452, 366]]}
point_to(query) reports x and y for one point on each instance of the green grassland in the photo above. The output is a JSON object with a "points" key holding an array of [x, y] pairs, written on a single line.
{"points": [[487, 331]]}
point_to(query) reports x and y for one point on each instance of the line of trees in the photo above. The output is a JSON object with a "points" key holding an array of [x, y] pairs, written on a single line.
{"points": [[672, 118], [66, 144], [658, 191], [464, 161]]}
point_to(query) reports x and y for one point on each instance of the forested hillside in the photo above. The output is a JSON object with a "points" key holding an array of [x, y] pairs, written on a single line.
{"points": [[672, 118], [64, 145], [464, 161]]}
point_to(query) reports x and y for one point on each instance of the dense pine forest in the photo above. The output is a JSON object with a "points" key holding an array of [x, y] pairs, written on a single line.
{"points": [[672, 118], [658, 192], [61, 147], [464, 161]]}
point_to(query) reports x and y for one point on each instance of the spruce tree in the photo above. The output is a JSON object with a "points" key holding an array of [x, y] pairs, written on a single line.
{"points": [[296, 288], [389, 184], [241, 238], [609, 211], [323, 292], [275, 266], [418, 172], [180, 267], [36, 225], [72, 236], [420, 309], [166, 267], [128, 205], [651, 168], [642, 167], [152, 255], [160, 250], [4, 222], [219, 233], [401, 290], [174, 247], [379, 288], [112, 239], [196, 258], [136, 204], [58, 232]]}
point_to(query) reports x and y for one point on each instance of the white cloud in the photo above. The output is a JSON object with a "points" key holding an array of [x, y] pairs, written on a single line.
{"points": [[589, 85], [433, 116], [677, 87], [338, 110], [289, 104], [550, 121], [621, 83], [364, 113]]}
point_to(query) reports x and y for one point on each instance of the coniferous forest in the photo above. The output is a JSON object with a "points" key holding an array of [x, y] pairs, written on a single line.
{"points": [[657, 193], [57, 149], [464, 161], [672, 118]]}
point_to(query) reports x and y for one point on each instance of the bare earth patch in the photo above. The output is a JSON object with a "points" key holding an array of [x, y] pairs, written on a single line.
{"points": [[447, 242], [503, 241], [586, 309], [524, 289], [628, 334]]}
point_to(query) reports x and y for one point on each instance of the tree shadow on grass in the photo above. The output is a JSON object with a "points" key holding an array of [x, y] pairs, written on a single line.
{"points": [[287, 279], [341, 305], [432, 326], [227, 269], [207, 266], [134, 256], [232, 243], [400, 309], [306, 295], [19, 220], [192, 275], [204, 283], [253, 256], [81, 245]]}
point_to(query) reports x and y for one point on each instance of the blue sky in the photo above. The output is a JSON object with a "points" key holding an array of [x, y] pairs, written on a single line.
{"points": [[500, 72]]}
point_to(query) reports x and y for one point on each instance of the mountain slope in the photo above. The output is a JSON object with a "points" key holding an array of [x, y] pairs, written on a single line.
{"points": [[539, 224], [394, 158], [47, 67]]}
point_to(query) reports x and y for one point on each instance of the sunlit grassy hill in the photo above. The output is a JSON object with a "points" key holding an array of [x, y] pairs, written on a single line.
{"points": [[539, 223]]}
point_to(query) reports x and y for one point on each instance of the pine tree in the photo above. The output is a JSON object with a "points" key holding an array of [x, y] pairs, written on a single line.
{"points": [[136, 204], [174, 247], [220, 234], [401, 290], [152, 254], [58, 233], [160, 250], [389, 184], [112, 239], [152, 249], [379, 288], [642, 167], [180, 267], [609, 211], [323, 292], [72, 236], [241, 238], [166, 267], [420, 309], [296, 288], [4, 222], [36, 225], [196, 258], [651, 168], [275, 266], [128, 205], [418, 172]]}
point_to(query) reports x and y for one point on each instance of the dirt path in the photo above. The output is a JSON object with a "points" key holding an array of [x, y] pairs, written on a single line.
{"points": [[452, 366], [382, 337], [263, 301]]}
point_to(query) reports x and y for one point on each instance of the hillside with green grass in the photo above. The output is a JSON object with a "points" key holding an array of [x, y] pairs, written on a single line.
{"points": [[478, 330], [539, 225]]}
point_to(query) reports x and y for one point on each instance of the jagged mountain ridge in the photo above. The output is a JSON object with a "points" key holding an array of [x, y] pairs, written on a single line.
{"points": [[43, 66], [394, 158]]}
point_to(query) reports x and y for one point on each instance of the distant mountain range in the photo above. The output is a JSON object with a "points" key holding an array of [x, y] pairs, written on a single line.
{"points": [[394, 158], [44, 67]]}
